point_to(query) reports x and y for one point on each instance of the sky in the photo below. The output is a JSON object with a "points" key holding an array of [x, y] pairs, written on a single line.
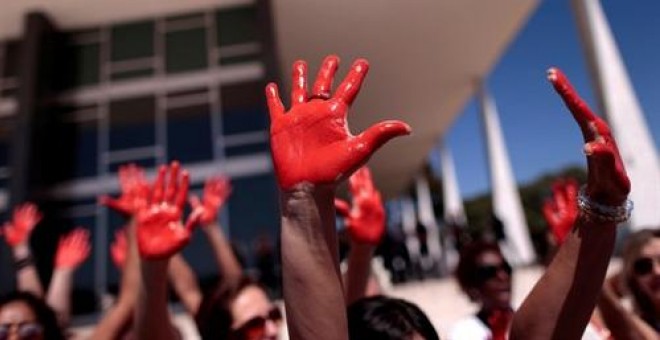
{"points": [[540, 134]]}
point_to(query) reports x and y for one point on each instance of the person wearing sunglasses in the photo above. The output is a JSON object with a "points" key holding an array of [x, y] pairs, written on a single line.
{"points": [[640, 278], [485, 277], [239, 311], [24, 316]]}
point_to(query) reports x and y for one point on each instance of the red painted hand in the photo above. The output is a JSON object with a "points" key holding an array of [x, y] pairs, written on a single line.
{"points": [[119, 249], [73, 249], [18, 231], [160, 233], [134, 191], [216, 192], [561, 210], [312, 142], [365, 222], [607, 181]]}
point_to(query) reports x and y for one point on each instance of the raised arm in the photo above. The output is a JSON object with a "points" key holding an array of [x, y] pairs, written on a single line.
{"points": [[185, 285], [17, 235], [313, 151], [216, 193], [365, 223], [160, 235], [72, 250], [561, 302]]}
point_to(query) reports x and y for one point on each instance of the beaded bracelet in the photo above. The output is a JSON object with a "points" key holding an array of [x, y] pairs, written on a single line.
{"points": [[603, 213], [23, 263]]}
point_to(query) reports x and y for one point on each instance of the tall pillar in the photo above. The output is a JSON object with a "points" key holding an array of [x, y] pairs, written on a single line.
{"points": [[426, 217], [618, 103], [453, 202], [507, 206]]}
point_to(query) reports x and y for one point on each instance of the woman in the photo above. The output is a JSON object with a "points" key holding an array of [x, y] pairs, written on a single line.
{"points": [[26, 317]]}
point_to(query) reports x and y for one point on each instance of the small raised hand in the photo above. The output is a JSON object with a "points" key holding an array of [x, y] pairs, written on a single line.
{"points": [[561, 210], [135, 191], [119, 248], [18, 231], [72, 249], [160, 233], [216, 192], [607, 182], [312, 142], [365, 221]]}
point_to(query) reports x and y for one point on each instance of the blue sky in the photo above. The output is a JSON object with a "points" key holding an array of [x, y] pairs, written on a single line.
{"points": [[540, 133]]}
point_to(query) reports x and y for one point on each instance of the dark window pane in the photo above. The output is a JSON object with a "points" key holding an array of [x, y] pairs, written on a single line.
{"points": [[12, 55], [145, 163], [131, 41], [246, 226], [189, 134], [246, 149], [243, 108], [132, 74], [132, 123], [84, 148], [245, 58], [85, 64], [186, 50], [237, 25]]}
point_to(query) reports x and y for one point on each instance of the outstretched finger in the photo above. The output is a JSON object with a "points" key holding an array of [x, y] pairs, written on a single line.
{"points": [[349, 88], [182, 193], [159, 185], [299, 83], [323, 83], [580, 110], [342, 207], [173, 182], [275, 106]]}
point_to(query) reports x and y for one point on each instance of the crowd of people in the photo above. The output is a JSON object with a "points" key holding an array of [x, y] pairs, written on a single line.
{"points": [[313, 151]]}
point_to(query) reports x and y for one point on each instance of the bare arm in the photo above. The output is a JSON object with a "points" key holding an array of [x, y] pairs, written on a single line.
{"points": [[185, 284], [27, 278], [561, 302], [17, 234], [358, 272], [230, 268]]}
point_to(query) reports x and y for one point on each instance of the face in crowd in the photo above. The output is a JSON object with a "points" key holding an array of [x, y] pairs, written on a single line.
{"points": [[254, 316], [494, 275], [19, 321], [644, 272]]}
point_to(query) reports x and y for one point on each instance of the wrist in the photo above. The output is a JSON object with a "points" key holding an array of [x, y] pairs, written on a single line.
{"points": [[64, 270], [591, 208], [21, 250]]}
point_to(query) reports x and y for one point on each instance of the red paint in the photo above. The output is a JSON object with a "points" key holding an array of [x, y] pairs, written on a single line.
{"points": [[119, 249], [561, 210], [498, 322], [18, 231], [73, 249], [311, 142], [135, 191], [216, 192], [365, 221], [607, 181]]}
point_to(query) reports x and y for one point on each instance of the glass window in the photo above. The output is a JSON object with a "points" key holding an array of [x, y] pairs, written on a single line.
{"points": [[12, 53], [133, 40], [132, 74], [237, 25], [132, 123], [84, 141], [186, 50], [243, 108], [189, 134], [85, 59], [247, 149]]}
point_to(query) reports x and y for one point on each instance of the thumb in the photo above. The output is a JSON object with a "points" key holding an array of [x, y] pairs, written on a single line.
{"points": [[194, 201], [343, 208], [193, 220], [380, 133]]}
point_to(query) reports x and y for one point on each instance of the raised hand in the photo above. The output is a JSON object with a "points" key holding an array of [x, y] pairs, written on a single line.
{"points": [[312, 142], [216, 192], [365, 221], [119, 249], [160, 233], [561, 210], [134, 191], [18, 231], [73, 249], [607, 182]]}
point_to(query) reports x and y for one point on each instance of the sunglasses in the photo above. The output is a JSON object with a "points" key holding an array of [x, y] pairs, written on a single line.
{"points": [[256, 327], [643, 266], [27, 330], [487, 272]]}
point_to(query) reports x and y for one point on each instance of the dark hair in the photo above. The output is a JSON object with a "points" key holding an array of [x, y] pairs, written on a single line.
{"points": [[381, 317], [45, 315], [214, 317], [631, 251], [467, 263]]}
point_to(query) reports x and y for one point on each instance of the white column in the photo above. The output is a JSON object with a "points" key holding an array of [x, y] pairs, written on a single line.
{"points": [[426, 217], [506, 198], [619, 104], [453, 202]]}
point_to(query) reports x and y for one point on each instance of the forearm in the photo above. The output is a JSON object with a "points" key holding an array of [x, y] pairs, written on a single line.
{"points": [[152, 319], [229, 267], [623, 324], [59, 294], [27, 277], [359, 270], [569, 288], [312, 285], [185, 284]]}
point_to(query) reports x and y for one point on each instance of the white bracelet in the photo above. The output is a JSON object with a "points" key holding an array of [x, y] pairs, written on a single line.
{"points": [[603, 213]]}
